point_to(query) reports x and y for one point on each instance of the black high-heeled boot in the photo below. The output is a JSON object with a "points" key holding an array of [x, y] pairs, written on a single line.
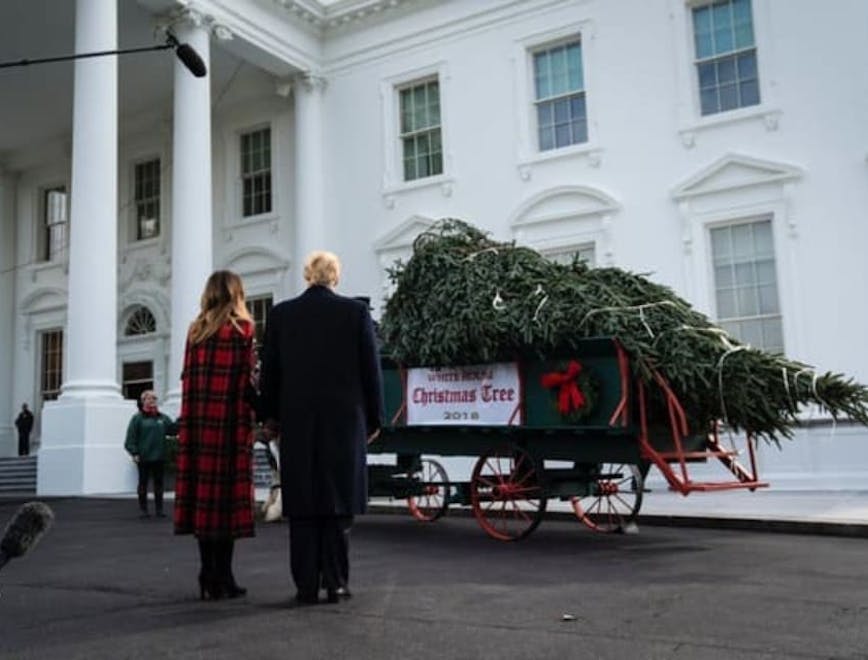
{"points": [[225, 548], [210, 587]]}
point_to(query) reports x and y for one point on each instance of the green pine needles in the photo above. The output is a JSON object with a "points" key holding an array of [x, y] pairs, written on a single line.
{"points": [[463, 298]]}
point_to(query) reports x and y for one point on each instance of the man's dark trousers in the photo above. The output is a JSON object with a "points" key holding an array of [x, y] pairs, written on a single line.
{"points": [[318, 546], [23, 443]]}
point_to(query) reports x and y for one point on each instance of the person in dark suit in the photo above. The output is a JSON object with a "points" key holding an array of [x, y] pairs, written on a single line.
{"points": [[321, 383], [24, 424]]}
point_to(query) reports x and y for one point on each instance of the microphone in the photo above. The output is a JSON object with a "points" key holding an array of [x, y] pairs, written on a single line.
{"points": [[191, 60], [188, 56], [25, 529]]}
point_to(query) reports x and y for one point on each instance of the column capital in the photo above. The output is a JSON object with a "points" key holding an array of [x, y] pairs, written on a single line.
{"points": [[191, 17], [310, 82]]}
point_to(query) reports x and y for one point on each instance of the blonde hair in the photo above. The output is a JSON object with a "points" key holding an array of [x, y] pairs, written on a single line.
{"points": [[222, 301], [322, 268]]}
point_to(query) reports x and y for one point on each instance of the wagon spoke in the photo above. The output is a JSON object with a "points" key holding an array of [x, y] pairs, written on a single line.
{"points": [[508, 503], [433, 500], [615, 498]]}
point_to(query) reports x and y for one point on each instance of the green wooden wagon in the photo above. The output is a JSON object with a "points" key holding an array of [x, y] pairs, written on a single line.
{"points": [[595, 456]]}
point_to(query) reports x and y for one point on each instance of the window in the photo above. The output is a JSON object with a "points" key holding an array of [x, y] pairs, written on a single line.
{"points": [[52, 364], [420, 134], [726, 61], [54, 223], [586, 252], [137, 377], [562, 117], [745, 284], [256, 172], [259, 308], [146, 184], [140, 322]]}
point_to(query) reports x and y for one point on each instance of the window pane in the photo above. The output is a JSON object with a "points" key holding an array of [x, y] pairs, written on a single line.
{"points": [[577, 107], [562, 135], [574, 66], [707, 75], [749, 93], [708, 101], [420, 108], [744, 273], [702, 32], [546, 138], [545, 114], [409, 169], [726, 70], [580, 131], [773, 336], [406, 111], [559, 71], [541, 74], [562, 111], [768, 299], [437, 163], [721, 244], [726, 303], [751, 333], [723, 276]]}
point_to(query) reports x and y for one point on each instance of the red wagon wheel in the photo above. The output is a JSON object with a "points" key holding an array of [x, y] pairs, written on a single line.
{"points": [[615, 499], [507, 495], [433, 501]]}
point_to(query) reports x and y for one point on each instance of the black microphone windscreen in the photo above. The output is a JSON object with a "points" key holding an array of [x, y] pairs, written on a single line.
{"points": [[191, 60], [27, 526]]}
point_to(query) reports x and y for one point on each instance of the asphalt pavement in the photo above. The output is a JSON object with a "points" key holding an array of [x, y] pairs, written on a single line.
{"points": [[104, 584]]}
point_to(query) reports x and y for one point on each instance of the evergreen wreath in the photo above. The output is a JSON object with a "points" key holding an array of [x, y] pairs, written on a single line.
{"points": [[562, 384]]}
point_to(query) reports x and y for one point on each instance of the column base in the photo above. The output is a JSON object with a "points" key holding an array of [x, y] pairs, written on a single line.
{"points": [[8, 441], [82, 447]]}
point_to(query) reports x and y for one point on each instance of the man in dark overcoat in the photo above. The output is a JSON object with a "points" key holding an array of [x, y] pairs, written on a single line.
{"points": [[321, 383], [24, 424]]}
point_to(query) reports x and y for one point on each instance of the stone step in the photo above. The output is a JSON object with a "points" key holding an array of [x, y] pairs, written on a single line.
{"points": [[18, 474]]}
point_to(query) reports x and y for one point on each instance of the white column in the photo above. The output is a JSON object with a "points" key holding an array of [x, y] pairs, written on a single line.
{"points": [[91, 331], [310, 231], [8, 408], [192, 251], [82, 432]]}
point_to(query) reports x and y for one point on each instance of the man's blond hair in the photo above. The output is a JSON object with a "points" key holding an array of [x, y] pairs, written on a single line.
{"points": [[322, 268]]}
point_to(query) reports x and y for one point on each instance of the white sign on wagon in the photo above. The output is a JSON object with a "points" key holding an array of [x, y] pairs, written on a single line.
{"points": [[486, 394]]}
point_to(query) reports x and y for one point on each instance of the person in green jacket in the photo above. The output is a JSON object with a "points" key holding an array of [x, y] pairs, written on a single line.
{"points": [[146, 444]]}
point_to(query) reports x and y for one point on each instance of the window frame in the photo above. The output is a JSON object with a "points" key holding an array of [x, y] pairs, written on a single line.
{"points": [[241, 176], [535, 102], [44, 241], [691, 123], [44, 372], [148, 383], [411, 86], [135, 235], [528, 155], [714, 284], [259, 326], [393, 179], [718, 57]]}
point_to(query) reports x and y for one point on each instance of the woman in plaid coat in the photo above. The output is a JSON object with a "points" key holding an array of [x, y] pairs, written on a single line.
{"points": [[214, 484]]}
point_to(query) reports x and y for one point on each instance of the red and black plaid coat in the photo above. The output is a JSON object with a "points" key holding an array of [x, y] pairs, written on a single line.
{"points": [[214, 485]]}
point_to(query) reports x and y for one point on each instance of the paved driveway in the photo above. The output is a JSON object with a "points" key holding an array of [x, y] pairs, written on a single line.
{"points": [[103, 584]]}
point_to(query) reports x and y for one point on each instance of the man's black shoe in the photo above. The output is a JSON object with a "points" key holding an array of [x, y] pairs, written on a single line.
{"points": [[333, 596], [306, 599]]}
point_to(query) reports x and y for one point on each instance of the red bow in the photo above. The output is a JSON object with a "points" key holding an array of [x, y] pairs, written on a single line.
{"points": [[570, 396]]}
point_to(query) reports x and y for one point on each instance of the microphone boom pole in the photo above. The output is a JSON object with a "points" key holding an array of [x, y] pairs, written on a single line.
{"points": [[185, 52]]}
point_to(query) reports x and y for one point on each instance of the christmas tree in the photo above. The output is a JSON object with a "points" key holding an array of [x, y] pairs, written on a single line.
{"points": [[463, 298]]}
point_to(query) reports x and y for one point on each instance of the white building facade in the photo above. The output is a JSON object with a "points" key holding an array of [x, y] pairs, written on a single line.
{"points": [[720, 146]]}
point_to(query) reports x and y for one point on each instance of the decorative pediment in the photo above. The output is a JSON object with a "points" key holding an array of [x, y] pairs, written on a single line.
{"points": [[43, 300], [252, 260], [563, 203], [401, 237], [735, 171]]}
